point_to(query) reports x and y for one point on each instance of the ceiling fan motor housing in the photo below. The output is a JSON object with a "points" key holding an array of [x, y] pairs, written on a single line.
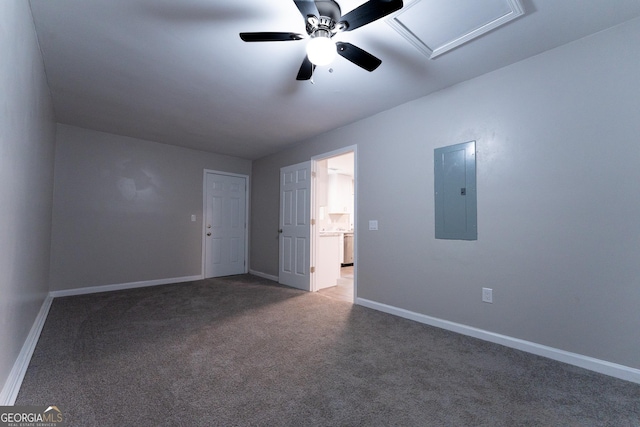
{"points": [[330, 13], [329, 8]]}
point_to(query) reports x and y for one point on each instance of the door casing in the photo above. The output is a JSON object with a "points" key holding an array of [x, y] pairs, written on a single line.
{"points": [[314, 212]]}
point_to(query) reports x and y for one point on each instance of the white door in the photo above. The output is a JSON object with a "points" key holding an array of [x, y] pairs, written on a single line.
{"points": [[295, 227], [225, 225]]}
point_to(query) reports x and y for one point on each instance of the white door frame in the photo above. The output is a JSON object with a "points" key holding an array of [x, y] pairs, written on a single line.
{"points": [[204, 215], [314, 210]]}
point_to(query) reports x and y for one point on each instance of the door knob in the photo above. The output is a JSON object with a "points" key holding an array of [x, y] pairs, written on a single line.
{"points": [[280, 231], [209, 234]]}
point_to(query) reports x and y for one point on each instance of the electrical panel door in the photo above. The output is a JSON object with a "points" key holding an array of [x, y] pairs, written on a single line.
{"points": [[455, 192]]}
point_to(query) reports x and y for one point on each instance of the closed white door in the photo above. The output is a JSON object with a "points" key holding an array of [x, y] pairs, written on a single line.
{"points": [[225, 225], [295, 227]]}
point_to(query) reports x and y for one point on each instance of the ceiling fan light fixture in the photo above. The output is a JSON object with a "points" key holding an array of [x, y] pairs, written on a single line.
{"points": [[321, 50]]}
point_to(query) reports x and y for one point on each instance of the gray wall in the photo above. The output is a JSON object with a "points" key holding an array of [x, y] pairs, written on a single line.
{"points": [[27, 138], [122, 209], [558, 165]]}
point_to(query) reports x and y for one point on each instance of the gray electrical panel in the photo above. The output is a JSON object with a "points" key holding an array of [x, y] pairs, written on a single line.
{"points": [[456, 206]]}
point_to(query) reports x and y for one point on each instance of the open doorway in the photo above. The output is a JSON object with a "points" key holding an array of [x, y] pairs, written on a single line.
{"points": [[333, 238]]}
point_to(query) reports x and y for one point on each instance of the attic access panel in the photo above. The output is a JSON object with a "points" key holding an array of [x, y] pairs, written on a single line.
{"points": [[456, 211], [438, 26]]}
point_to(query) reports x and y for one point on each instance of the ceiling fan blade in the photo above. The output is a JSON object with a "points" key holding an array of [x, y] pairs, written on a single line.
{"points": [[270, 37], [306, 8], [369, 12], [306, 70], [358, 56]]}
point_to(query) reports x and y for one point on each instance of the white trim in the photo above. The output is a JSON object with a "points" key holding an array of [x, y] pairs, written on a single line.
{"points": [[14, 381], [516, 11], [338, 152], [247, 191], [601, 366], [313, 241], [119, 287], [432, 52], [264, 275]]}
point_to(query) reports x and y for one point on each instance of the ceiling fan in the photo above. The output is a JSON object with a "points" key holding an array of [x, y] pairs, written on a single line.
{"points": [[324, 20]]}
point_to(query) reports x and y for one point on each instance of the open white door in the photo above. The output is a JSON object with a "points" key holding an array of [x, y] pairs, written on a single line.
{"points": [[295, 227], [225, 225]]}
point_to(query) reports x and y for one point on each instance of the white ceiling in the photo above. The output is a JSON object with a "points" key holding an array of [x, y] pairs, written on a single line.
{"points": [[177, 72]]}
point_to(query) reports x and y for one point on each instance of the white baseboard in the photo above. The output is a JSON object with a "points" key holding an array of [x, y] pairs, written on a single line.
{"points": [[14, 381], [131, 285], [601, 366], [264, 275]]}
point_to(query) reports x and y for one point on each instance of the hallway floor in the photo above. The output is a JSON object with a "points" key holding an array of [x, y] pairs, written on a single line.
{"points": [[343, 291]]}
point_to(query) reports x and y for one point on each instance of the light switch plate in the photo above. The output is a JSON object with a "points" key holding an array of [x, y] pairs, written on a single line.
{"points": [[193, 218], [487, 295], [373, 224]]}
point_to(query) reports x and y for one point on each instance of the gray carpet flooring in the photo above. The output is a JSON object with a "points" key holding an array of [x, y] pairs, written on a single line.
{"points": [[243, 351]]}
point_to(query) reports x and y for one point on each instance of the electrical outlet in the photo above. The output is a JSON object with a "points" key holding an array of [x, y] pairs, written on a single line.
{"points": [[487, 295]]}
